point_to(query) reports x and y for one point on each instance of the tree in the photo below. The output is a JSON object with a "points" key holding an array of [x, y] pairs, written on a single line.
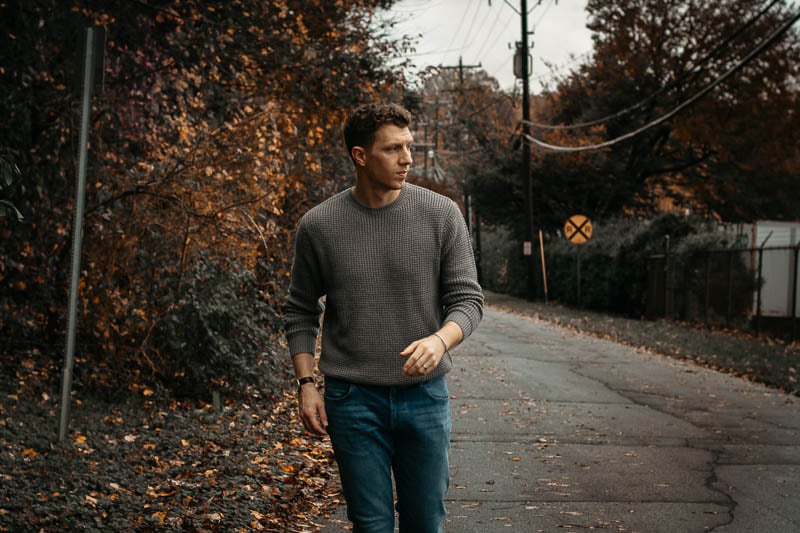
{"points": [[717, 156], [215, 128], [470, 122]]}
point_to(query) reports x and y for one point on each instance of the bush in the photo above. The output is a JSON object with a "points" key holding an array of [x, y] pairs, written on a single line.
{"points": [[503, 267], [220, 335], [631, 269], [712, 283], [613, 263], [597, 266]]}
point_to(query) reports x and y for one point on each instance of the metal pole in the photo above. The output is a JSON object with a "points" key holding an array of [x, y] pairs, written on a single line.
{"points": [[667, 303], [730, 288], [578, 275], [794, 289], [758, 293], [425, 151], [80, 194], [760, 283], [478, 246], [544, 268], [707, 288]]}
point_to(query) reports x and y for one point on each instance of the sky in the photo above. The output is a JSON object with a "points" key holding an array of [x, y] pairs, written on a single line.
{"points": [[486, 35]]}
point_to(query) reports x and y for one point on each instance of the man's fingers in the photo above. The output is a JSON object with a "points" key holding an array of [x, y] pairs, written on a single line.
{"points": [[323, 419], [312, 412], [313, 424], [408, 350]]}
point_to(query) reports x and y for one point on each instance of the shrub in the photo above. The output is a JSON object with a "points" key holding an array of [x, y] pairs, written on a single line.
{"points": [[631, 269], [713, 283], [503, 267], [596, 267], [613, 262], [220, 335]]}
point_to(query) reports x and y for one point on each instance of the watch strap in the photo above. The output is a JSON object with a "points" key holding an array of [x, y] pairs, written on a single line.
{"points": [[304, 380]]}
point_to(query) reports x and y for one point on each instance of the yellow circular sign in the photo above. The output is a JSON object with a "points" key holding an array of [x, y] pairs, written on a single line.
{"points": [[578, 229]]}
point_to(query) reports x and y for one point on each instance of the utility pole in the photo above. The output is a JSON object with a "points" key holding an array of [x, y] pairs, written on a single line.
{"points": [[522, 71], [526, 147], [464, 185], [461, 66], [431, 147]]}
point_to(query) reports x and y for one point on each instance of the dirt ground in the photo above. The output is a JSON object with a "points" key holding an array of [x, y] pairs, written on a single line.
{"points": [[137, 459], [147, 462]]}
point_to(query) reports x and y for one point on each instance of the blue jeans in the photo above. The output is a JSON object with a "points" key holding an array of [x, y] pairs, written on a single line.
{"points": [[377, 431]]}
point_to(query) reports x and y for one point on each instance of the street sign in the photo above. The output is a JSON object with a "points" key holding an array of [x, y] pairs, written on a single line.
{"points": [[578, 229]]}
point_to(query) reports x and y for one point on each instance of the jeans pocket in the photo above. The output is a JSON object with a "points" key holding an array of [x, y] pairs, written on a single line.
{"points": [[336, 389], [436, 389]]}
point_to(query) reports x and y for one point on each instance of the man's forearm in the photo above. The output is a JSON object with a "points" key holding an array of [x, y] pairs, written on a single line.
{"points": [[303, 365], [450, 333]]}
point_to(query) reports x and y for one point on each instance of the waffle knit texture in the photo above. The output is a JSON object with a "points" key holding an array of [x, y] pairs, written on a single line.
{"points": [[390, 276]]}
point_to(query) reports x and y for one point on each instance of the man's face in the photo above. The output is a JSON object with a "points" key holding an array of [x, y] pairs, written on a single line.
{"points": [[388, 159]]}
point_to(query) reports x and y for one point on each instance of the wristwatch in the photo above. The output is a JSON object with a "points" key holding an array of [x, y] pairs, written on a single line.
{"points": [[303, 381]]}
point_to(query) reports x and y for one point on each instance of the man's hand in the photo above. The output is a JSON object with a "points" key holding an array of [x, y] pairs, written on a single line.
{"points": [[423, 356], [312, 409]]}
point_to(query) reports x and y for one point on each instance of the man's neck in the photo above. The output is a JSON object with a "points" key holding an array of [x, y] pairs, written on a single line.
{"points": [[374, 199]]}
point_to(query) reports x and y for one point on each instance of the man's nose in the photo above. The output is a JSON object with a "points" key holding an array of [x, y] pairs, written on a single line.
{"points": [[407, 158]]}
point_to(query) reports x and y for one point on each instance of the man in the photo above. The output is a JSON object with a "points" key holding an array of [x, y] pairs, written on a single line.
{"points": [[395, 265]]}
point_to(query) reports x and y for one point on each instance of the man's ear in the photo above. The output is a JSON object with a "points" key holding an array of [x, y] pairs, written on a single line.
{"points": [[359, 155]]}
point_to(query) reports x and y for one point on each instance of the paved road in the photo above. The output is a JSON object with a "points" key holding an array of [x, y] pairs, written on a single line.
{"points": [[555, 431]]}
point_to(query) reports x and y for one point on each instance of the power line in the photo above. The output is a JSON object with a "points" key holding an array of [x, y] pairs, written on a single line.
{"points": [[458, 28], [420, 54], [424, 5], [502, 65], [692, 72], [546, 9], [483, 47], [472, 24], [705, 90]]}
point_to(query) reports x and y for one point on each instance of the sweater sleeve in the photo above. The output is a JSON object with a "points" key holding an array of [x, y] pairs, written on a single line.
{"points": [[303, 307], [461, 295]]}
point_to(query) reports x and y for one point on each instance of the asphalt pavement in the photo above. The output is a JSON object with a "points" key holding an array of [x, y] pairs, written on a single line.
{"points": [[555, 431]]}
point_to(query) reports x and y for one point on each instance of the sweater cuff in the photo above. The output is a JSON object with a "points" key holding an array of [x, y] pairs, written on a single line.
{"points": [[302, 343], [464, 321]]}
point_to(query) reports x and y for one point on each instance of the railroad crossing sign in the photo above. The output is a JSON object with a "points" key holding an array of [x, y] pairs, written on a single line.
{"points": [[578, 229]]}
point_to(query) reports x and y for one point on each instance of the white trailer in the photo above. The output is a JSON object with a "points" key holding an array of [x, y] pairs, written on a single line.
{"points": [[778, 266]]}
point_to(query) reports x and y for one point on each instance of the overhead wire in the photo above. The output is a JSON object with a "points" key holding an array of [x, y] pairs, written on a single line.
{"points": [[501, 66], [705, 90], [546, 10], [471, 25], [690, 73], [458, 29], [483, 48], [538, 21], [423, 6]]}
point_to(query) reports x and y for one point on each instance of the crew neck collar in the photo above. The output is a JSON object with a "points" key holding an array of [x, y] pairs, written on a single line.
{"points": [[397, 201]]}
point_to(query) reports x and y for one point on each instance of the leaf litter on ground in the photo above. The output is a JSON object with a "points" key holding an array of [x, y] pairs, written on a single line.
{"points": [[148, 462], [145, 461]]}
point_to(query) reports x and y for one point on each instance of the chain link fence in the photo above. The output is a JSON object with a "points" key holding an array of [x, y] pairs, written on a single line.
{"points": [[751, 289]]}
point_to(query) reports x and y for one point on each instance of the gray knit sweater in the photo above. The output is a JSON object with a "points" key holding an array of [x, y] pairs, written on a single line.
{"points": [[389, 276]]}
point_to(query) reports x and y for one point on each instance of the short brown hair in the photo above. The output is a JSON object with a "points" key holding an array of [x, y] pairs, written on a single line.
{"points": [[365, 120]]}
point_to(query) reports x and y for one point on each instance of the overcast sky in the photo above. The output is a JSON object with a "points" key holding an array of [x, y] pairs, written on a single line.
{"points": [[486, 35]]}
